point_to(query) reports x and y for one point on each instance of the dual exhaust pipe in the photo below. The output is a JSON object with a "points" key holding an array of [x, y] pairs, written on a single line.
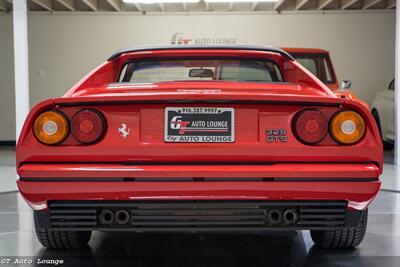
{"points": [[108, 217], [273, 216], [288, 217]]}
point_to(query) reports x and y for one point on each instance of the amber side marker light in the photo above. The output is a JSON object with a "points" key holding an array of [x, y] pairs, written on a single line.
{"points": [[347, 127], [51, 127]]}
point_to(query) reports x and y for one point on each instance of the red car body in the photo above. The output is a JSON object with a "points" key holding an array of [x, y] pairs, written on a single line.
{"points": [[143, 169]]}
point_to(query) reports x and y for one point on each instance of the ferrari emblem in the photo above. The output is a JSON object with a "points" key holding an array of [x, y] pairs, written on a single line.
{"points": [[124, 130]]}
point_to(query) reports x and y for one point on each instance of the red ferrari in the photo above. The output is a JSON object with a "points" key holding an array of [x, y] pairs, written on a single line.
{"points": [[199, 139]]}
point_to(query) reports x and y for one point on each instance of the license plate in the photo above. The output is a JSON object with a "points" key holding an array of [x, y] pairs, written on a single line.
{"points": [[199, 125]]}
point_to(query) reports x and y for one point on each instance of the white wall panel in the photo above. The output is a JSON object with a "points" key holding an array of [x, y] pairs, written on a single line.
{"points": [[65, 47], [7, 104]]}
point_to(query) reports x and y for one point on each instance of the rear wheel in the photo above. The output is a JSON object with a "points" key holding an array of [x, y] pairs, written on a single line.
{"points": [[61, 239], [386, 145], [342, 238]]}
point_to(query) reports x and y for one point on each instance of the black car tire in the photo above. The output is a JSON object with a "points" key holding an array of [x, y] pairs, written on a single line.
{"points": [[61, 239], [386, 145], [342, 238]]}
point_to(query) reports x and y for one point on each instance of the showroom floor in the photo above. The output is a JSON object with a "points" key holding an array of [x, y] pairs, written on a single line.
{"points": [[7, 169], [380, 247]]}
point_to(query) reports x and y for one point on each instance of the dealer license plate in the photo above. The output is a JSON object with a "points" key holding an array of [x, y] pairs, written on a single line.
{"points": [[199, 125]]}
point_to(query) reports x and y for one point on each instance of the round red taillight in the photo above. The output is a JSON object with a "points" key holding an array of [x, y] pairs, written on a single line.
{"points": [[310, 126], [88, 126]]}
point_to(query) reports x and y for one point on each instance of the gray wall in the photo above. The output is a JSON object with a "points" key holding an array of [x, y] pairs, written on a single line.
{"points": [[7, 105], [63, 48]]}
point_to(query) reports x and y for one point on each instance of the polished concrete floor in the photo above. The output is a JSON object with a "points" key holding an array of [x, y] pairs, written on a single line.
{"points": [[7, 169], [381, 246]]}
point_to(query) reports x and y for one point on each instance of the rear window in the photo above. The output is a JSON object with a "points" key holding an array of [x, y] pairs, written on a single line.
{"points": [[155, 71]]}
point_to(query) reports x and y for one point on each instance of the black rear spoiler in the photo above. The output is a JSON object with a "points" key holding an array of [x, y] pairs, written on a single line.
{"points": [[203, 47]]}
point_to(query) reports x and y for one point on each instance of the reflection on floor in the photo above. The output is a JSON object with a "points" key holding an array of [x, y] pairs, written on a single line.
{"points": [[390, 176], [381, 246], [7, 169]]}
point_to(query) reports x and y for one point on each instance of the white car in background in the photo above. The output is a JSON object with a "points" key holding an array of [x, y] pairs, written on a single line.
{"points": [[383, 111]]}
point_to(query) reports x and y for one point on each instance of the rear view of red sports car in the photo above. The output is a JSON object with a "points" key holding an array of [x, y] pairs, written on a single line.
{"points": [[199, 139]]}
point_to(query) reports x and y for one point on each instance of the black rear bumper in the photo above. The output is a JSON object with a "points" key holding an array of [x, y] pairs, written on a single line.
{"points": [[197, 216]]}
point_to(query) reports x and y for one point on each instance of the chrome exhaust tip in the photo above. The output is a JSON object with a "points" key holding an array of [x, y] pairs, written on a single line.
{"points": [[106, 217], [122, 217]]}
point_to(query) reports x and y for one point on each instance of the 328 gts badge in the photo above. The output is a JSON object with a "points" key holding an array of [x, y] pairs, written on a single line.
{"points": [[276, 135]]}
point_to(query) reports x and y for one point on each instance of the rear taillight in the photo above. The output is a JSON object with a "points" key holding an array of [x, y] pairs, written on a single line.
{"points": [[347, 127], [88, 126], [310, 126], [51, 127]]}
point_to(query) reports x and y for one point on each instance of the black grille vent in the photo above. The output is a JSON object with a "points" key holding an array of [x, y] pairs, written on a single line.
{"points": [[180, 215]]}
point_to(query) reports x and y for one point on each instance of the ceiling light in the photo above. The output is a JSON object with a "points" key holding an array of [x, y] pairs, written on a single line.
{"points": [[158, 1], [238, 1]]}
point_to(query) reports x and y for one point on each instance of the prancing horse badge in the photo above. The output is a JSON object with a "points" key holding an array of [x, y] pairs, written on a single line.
{"points": [[124, 130]]}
